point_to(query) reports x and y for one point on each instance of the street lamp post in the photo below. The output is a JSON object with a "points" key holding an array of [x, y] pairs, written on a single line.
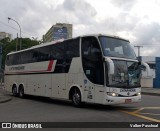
{"points": [[138, 49], [19, 28]]}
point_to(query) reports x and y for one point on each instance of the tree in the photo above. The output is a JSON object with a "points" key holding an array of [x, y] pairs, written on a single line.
{"points": [[10, 46]]}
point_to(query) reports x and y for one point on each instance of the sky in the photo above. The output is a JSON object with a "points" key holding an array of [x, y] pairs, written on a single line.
{"points": [[135, 20]]}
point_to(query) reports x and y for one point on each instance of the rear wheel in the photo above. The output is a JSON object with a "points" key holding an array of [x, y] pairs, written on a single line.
{"points": [[21, 92], [14, 91], [76, 98]]}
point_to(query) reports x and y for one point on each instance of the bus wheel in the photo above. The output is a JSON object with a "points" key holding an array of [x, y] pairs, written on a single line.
{"points": [[21, 92], [14, 91], [76, 98]]}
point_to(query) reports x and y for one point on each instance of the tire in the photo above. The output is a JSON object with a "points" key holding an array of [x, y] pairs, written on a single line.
{"points": [[76, 98], [21, 92], [14, 91]]}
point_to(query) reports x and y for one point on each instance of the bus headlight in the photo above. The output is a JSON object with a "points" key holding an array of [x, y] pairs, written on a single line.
{"points": [[112, 94], [139, 93]]}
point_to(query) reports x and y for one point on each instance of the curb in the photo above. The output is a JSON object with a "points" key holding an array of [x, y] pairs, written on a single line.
{"points": [[4, 100], [150, 93]]}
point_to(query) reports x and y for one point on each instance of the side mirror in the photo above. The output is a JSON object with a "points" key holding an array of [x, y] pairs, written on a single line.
{"points": [[148, 71], [110, 66]]}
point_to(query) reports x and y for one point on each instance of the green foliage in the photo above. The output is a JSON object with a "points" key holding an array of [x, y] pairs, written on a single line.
{"points": [[10, 46]]}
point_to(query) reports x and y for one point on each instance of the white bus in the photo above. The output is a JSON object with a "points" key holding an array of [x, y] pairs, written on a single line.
{"points": [[99, 69]]}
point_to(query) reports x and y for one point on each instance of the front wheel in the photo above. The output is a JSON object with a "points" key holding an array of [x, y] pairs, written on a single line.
{"points": [[76, 98]]}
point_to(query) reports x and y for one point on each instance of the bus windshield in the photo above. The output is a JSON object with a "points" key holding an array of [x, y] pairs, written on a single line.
{"points": [[127, 74], [114, 47]]}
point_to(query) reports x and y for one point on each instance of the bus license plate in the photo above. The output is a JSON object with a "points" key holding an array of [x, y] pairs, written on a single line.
{"points": [[128, 100]]}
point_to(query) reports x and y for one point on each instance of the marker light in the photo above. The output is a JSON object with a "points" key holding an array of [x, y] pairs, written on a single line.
{"points": [[112, 94], [139, 93]]}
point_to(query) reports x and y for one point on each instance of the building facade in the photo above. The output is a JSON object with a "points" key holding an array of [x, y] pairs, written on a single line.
{"points": [[154, 64], [145, 80], [58, 31], [5, 35]]}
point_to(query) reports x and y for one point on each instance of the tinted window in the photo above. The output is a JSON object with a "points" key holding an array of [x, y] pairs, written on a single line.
{"points": [[92, 60], [72, 48], [57, 51], [62, 52], [116, 47], [71, 51]]}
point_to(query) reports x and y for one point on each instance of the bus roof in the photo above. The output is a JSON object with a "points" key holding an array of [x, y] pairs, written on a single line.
{"points": [[61, 40], [112, 36]]}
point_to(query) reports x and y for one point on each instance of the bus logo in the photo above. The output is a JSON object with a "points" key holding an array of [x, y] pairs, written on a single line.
{"points": [[85, 81], [6, 125]]}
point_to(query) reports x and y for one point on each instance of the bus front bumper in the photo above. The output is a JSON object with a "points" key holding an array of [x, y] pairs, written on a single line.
{"points": [[110, 100]]}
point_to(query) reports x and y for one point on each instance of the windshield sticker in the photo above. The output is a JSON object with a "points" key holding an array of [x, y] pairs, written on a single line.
{"points": [[88, 72]]}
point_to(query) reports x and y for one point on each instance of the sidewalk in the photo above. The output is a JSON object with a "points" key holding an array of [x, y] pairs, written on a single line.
{"points": [[4, 96], [150, 91]]}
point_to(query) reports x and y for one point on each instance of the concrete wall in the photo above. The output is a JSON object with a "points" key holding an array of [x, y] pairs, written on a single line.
{"points": [[147, 82], [149, 60], [154, 80]]}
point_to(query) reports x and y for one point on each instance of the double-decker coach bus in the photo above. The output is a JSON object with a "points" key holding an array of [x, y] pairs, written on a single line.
{"points": [[99, 69]]}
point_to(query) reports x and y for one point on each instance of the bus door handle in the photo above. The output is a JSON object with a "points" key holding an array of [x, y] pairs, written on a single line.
{"points": [[101, 91]]}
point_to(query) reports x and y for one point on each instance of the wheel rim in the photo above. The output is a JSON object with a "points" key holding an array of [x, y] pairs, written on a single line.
{"points": [[14, 91], [21, 93], [76, 98]]}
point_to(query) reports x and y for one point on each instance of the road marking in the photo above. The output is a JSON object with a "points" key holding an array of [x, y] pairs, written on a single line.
{"points": [[144, 117], [138, 113], [151, 107], [150, 114]]}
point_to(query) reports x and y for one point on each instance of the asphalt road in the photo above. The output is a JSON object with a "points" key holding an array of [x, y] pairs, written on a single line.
{"points": [[39, 109]]}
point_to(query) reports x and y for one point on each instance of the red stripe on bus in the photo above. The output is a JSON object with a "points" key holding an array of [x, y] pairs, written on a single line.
{"points": [[50, 65]]}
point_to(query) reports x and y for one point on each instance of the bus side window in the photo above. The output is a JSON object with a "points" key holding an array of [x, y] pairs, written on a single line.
{"points": [[92, 60], [58, 53], [72, 48]]}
